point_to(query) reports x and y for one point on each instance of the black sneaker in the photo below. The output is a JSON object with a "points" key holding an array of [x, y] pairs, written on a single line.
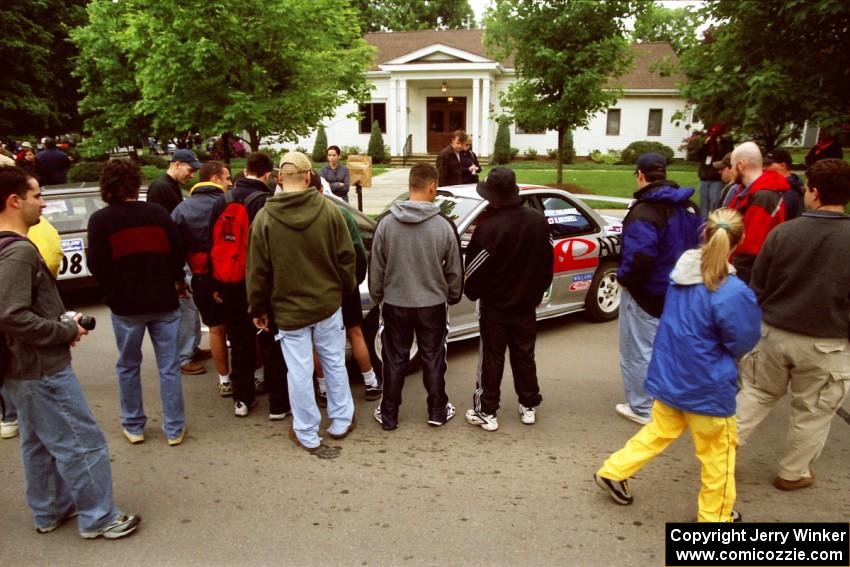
{"points": [[619, 491], [437, 422], [380, 419], [124, 525], [372, 393]]}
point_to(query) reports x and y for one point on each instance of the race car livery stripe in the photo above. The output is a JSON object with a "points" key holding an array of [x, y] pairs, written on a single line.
{"points": [[476, 262], [139, 240]]}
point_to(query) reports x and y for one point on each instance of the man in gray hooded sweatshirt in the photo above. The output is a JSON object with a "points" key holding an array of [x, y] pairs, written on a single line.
{"points": [[414, 272]]}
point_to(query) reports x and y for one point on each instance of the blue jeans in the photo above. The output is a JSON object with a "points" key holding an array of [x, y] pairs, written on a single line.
{"points": [[129, 332], [709, 194], [189, 334], [10, 412], [64, 453], [328, 337], [637, 333]]}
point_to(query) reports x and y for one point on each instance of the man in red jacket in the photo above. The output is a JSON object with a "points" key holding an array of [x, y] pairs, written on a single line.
{"points": [[759, 200]]}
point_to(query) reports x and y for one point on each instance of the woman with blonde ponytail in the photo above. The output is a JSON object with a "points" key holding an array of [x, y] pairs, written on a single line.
{"points": [[710, 319]]}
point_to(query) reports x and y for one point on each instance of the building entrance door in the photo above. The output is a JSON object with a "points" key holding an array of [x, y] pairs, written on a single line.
{"points": [[445, 115]]}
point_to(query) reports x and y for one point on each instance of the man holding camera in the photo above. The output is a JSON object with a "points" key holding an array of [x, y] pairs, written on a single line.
{"points": [[65, 457]]}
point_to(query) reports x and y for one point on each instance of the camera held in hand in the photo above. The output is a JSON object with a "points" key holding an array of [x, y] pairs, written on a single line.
{"points": [[87, 322]]}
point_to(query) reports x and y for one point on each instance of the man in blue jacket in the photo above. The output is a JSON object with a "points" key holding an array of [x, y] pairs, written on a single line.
{"points": [[661, 224]]}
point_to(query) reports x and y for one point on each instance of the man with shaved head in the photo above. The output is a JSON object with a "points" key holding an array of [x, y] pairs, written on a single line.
{"points": [[760, 200]]}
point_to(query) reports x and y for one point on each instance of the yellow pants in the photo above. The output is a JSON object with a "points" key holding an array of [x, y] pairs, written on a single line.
{"points": [[715, 440]]}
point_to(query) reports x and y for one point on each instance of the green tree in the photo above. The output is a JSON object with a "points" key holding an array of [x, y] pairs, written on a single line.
{"points": [[38, 94], [767, 84], [561, 77], [270, 67], [676, 26], [502, 145], [376, 144], [320, 147], [405, 15]]}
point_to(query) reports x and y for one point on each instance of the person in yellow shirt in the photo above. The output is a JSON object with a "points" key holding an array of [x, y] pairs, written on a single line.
{"points": [[46, 239]]}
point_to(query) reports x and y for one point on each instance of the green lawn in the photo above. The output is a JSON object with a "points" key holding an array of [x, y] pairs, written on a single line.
{"points": [[614, 181]]}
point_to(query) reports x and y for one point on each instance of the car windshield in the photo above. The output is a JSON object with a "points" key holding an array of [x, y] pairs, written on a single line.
{"points": [[70, 213], [455, 208]]}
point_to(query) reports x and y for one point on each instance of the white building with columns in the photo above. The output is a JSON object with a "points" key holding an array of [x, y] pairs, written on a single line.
{"points": [[428, 84]]}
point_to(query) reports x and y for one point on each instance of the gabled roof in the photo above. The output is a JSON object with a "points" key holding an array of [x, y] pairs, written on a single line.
{"points": [[642, 76], [394, 46]]}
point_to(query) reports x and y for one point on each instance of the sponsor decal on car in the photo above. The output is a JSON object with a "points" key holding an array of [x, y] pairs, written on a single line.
{"points": [[581, 282], [74, 261], [576, 254]]}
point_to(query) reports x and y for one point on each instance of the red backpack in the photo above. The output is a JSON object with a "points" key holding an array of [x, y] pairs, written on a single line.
{"points": [[229, 250]]}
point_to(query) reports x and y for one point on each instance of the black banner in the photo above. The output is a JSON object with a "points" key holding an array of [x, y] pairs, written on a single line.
{"points": [[761, 544]]}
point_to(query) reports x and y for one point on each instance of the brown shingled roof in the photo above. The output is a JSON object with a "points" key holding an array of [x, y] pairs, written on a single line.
{"points": [[641, 76], [395, 44]]}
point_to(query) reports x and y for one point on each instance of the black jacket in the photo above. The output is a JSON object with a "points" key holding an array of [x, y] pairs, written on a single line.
{"points": [[509, 260], [135, 253], [449, 168], [467, 159], [165, 192]]}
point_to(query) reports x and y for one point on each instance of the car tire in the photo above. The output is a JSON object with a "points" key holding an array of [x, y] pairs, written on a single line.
{"points": [[603, 298], [370, 327]]}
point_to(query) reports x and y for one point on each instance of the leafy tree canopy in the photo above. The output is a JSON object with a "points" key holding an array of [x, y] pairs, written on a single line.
{"points": [[677, 26], [264, 67], [38, 95], [564, 52], [767, 74], [407, 15]]}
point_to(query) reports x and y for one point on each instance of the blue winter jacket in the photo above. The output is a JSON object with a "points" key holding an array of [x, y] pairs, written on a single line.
{"points": [[659, 227], [700, 335]]}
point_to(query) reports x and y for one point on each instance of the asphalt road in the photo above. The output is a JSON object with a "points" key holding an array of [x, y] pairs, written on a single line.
{"points": [[238, 492]]}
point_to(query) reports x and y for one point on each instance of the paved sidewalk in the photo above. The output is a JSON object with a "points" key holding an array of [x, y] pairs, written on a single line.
{"points": [[385, 187]]}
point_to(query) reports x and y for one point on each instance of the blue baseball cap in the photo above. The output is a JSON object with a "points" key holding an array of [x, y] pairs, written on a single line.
{"points": [[651, 162], [187, 156]]}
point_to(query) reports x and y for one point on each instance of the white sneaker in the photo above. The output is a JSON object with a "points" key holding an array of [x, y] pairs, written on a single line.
{"points": [[241, 410], [8, 429], [278, 416], [626, 411], [527, 415], [485, 420]]}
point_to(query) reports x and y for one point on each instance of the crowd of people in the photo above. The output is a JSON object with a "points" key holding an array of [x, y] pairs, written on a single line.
{"points": [[719, 318], [49, 164]]}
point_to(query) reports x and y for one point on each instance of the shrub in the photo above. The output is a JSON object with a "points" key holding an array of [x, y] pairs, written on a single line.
{"points": [[86, 171], [530, 154], [320, 147], [349, 150], [567, 151], [514, 153], [634, 150], [376, 144], [610, 157], [502, 146], [156, 161]]}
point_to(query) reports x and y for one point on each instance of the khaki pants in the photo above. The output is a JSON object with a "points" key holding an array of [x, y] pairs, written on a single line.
{"points": [[815, 371], [714, 441]]}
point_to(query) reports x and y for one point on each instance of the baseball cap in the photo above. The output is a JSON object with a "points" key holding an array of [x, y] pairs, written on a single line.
{"points": [[777, 156], [651, 162], [187, 156], [724, 163], [295, 162]]}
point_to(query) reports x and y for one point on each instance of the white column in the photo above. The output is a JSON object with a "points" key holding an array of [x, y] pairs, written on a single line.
{"points": [[391, 117], [486, 145], [402, 115], [476, 113]]}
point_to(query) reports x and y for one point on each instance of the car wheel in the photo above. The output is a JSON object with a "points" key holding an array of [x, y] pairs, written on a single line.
{"points": [[373, 341], [603, 297]]}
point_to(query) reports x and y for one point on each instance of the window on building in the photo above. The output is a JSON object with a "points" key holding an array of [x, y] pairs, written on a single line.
{"points": [[520, 128], [653, 128], [612, 128], [371, 112]]}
